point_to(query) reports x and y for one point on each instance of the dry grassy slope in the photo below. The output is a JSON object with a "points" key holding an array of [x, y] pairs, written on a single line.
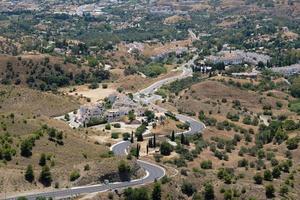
{"points": [[77, 151], [197, 99], [32, 102], [31, 109], [201, 95]]}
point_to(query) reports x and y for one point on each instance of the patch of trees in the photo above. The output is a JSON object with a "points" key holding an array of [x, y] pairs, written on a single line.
{"points": [[179, 85], [6, 149], [28, 143], [295, 87], [139, 132], [276, 131], [54, 135], [96, 121], [45, 76], [143, 193], [226, 174], [248, 120], [233, 117], [153, 69], [208, 121], [171, 115], [285, 58]]}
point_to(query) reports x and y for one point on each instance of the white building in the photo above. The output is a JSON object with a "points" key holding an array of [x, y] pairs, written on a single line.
{"points": [[86, 112]]}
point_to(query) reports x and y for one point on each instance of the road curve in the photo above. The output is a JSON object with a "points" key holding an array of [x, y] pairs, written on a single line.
{"points": [[148, 96], [153, 171]]}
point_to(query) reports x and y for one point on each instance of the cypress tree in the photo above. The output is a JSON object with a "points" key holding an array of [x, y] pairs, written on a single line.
{"points": [[182, 139], [173, 136], [147, 148], [132, 138]]}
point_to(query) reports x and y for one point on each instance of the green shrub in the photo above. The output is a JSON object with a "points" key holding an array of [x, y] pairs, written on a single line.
{"points": [[115, 135], [166, 148], [74, 175], [207, 164]]}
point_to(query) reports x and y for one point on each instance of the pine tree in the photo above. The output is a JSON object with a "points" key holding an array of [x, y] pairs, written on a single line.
{"points": [[29, 174], [45, 176]]}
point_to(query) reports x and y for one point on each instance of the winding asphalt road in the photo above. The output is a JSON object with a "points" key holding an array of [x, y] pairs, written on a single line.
{"points": [[153, 171], [148, 96]]}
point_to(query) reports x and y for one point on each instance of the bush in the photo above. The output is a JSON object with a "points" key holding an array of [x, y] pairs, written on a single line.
{"points": [[188, 188], [165, 179], [295, 88], [43, 160], [209, 193], [284, 190], [86, 167], [247, 120], [233, 117], [165, 148], [115, 135], [29, 174], [156, 193], [95, 121], [268, 175], [126, 136], [270, 191], [117, 125], [226, 174], [243, 163], [74, 175], [207, 164], [107, 126], [94, 85], [292, 143], [123, 167], [104, 86], [276, 172], [26, 147], [258, 179], [136, 194], [153, 69], [45, 176]]}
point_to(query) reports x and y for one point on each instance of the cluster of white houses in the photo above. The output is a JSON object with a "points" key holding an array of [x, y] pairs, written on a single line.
{"points": [[238, 57], [121, 105]]}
